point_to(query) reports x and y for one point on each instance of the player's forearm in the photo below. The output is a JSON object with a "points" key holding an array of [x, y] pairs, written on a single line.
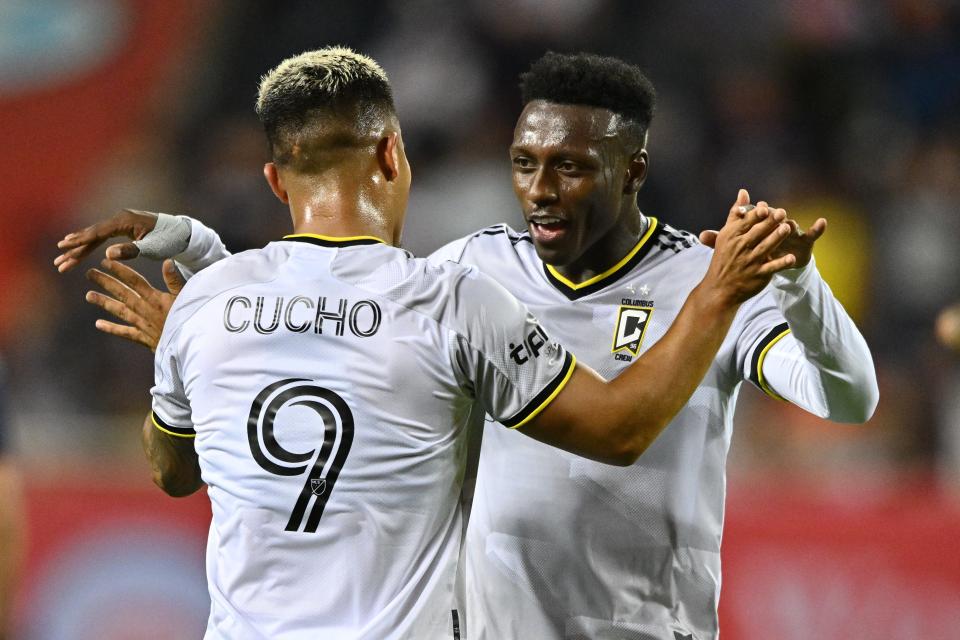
{"points": [[824, 365], [650, 393], [173, 460], [616, 421], [205, 248]]}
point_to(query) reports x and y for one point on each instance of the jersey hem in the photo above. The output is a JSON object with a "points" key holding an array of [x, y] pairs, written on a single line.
{"points": [[169, 429], [545, 397]]}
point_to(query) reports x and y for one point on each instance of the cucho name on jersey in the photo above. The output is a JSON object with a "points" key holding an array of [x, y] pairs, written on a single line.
{"points": [[301, 314]]}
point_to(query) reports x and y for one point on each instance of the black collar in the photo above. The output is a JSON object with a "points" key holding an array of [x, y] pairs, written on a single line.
{"points": [[575, 291]]}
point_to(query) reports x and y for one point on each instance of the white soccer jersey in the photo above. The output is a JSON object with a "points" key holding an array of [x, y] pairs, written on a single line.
{"points": [[329, 385], [562, 547]]}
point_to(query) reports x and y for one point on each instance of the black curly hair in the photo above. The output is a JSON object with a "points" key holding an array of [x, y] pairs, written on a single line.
{"points": [[591, 80]]}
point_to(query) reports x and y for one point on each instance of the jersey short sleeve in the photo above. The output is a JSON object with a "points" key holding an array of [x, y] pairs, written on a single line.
{"points": [[502, 355], [171, 409]]}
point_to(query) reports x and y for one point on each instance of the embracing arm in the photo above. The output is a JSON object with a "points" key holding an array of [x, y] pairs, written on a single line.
{"points": [[204, 249], [616, 421], [191, 244], [818, 359], [173, 459]]}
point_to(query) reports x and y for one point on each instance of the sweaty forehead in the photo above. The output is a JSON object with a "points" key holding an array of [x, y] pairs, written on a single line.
{"points": [[545, 123]]}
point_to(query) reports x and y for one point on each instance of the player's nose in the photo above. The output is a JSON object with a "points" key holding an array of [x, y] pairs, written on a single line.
{"points": [[542, 189]]}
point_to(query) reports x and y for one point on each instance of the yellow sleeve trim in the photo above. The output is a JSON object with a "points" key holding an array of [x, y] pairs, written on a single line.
{"points": [[763, 354], [549, 399], [153, 419]]}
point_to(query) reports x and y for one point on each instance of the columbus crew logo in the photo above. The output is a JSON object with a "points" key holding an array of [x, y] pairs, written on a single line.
{"points": [[630, 329]]}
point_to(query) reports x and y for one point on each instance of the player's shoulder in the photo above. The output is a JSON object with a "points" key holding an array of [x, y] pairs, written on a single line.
{"points": [[255, 265], [447, 292], [411, 281], [672, 242], [498, 238], [500, 233]]}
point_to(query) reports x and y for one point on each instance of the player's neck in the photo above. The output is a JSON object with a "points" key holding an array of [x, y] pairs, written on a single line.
{"points": [[610, 249], [342, 215]]}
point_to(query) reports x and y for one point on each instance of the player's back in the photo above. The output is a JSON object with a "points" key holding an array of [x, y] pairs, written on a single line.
{"points": [[329, 419]]}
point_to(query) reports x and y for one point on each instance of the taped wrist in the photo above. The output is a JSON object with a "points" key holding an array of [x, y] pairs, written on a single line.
{"points": [[169, 238]]}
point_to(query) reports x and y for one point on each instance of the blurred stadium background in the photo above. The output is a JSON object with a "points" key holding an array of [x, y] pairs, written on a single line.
{"points": [[848, 109]]}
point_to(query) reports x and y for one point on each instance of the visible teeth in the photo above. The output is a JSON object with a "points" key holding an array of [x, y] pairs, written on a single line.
{"points": [[546, 220]]}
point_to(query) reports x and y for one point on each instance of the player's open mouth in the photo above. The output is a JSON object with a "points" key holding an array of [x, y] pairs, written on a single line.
{"points": [[547, 229]]}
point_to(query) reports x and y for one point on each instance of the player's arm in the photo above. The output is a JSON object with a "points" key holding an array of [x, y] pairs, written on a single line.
{"points": [[173, 458], [527, 382], [615, 421], [803, 347], [168, 434], [158, 236], [821, 361]]}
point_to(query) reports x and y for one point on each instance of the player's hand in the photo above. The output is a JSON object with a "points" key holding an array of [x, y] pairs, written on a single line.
{"points": [[744, 257], [134, 301], [799, 243], [128, 223], [948, 327]]}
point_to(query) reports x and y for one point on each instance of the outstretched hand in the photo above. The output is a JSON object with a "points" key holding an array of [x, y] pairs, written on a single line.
{"points": [[798, 243], [128, 223], [745, 249], [134, 301]]}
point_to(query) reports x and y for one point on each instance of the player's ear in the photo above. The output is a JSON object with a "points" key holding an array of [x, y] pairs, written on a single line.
{"points": [[636, 172], [276, 182], [388, 155]]}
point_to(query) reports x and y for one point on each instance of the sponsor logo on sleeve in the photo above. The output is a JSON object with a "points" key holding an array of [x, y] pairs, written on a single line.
{"points": [[535, 342]]}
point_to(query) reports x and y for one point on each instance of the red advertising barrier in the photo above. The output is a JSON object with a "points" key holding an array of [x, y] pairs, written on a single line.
{"points": [[123, 561], [113, 562], [800, 564]]}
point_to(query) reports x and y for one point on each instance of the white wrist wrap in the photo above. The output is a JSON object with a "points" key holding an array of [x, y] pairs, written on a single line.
{"points": [[169, 238]]}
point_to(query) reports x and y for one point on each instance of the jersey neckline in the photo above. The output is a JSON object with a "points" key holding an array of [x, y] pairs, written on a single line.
{"points": [[575, 291], [332, 241]]}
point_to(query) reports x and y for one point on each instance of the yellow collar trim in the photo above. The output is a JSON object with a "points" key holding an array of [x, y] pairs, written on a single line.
{"points": [[331, 238], [612, 270]]}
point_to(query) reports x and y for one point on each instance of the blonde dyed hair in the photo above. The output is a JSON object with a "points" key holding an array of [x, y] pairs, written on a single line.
{"points": [[331, 98], [325, 71]]}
